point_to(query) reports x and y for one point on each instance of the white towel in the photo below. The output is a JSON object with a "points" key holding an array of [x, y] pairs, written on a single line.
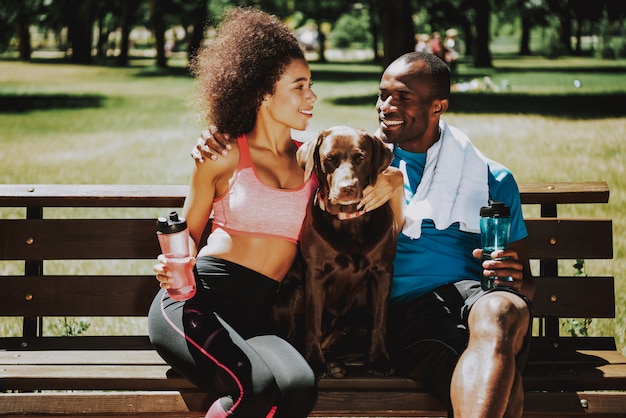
{"points": [[453, 187]]}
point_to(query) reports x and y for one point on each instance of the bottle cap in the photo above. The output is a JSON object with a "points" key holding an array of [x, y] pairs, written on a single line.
{"points": [[172, 224], [495, 209]]}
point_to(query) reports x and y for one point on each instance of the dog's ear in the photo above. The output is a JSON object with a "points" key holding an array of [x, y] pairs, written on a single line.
{"points": [[381, 157], [309, 159], [304, 156]]}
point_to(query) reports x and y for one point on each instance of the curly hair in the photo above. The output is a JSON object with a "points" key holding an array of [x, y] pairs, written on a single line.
{"points": [[238, 68]]}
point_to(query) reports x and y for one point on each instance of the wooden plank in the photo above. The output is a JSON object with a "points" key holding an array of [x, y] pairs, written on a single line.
{"points": [[91, 195], [567, 297], [557, 238], [170, 402], [564, 192], [78, 357], [566, 376], [97, 342], [174, 404], [62, 239], [78, 239], [78, 295], [574, 297], [117, 195]]}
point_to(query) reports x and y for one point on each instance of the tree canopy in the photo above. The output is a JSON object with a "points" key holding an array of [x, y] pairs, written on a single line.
{"points": [[85, 29]]}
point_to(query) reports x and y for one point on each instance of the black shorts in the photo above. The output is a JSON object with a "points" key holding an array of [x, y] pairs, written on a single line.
{"points": [[427, 335]]}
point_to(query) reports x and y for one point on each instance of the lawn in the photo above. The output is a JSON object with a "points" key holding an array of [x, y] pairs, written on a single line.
{"points": [[561, 120]]}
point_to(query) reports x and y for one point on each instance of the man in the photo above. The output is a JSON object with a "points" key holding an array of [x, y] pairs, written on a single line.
{"points": [[464, 344]]}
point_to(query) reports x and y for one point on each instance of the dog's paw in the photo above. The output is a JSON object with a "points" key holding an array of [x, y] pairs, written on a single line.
{"points": [[336, 370]]}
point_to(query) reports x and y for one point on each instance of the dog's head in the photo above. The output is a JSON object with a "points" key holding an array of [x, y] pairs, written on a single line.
{"points": [[345, 160]]}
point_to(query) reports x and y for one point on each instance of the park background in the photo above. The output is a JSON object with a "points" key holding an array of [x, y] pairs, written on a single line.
{"points": [[553, 109]]}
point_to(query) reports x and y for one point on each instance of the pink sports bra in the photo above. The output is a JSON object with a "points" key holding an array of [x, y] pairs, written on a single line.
{"points": [[252, 208]]}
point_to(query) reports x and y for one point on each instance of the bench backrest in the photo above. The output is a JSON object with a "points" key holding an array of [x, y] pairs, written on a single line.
{"points": [[36, 238]]}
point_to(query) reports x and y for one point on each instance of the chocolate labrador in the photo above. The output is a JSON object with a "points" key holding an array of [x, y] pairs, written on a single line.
{"points": [[348, 252]]}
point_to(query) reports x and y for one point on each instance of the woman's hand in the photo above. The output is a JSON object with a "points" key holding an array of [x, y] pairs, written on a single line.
{"points": [[211, 144], [162, 274]]}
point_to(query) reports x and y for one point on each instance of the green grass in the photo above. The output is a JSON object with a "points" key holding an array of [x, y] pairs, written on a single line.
{"points": [[61, 123]]}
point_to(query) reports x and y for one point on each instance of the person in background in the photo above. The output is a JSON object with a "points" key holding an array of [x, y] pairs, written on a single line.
{"points": [[435, 46], [421, 42], [453, 50], [466, 345]]}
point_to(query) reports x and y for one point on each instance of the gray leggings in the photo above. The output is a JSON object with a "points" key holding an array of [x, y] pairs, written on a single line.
{"points": [[200, 339]]}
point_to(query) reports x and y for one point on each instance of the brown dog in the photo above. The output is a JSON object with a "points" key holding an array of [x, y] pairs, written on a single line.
{"points": [[348, 253]]}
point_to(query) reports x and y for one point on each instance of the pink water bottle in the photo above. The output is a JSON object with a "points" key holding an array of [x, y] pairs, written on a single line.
{"points": [[174, 240]]}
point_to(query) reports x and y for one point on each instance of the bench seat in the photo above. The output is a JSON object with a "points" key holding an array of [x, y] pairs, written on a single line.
{"points": [[121, 375]]}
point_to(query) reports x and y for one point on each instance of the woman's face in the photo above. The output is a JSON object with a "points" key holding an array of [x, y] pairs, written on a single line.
{"points": [[292, 101]]}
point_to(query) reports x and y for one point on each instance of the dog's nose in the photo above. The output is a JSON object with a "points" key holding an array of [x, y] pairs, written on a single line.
{"points": [[348, 188]]}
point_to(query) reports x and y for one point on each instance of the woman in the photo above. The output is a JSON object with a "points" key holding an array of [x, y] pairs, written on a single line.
{"points": [[255, 84]]}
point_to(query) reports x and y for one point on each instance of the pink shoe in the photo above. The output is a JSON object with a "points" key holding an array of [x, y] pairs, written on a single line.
{"points": [[216, 411]]}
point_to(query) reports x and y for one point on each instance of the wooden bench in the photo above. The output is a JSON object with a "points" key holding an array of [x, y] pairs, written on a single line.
{"points": [[120, 375]]}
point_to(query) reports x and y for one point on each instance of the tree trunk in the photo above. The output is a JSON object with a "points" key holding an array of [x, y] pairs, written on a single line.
{"points": [[482, 55], [195, 40], [128, 14], [524, 47], [80, 25], [396, 29], [23, 35], [565, 34], [321, 40], [158, 29]]}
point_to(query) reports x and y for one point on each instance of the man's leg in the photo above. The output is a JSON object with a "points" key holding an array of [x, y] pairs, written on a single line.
{"points": [[484, 380]]}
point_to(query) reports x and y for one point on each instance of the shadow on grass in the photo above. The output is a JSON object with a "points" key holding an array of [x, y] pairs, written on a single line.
{"points": [[19, 103], [574, 106]]}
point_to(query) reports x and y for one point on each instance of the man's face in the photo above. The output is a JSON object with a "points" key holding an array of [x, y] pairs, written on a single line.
{"points": [[404, 106]]}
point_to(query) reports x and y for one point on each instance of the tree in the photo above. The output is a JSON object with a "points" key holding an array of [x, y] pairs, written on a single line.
{"points": [[197, 16], [321, 11], [18, 16], [396, 26], [482, 54]]}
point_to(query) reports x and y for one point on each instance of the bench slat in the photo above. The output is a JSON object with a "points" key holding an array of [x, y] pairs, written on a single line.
{"points": [[92, 195], [191, 405], [117, 195], [78, 295], [574, 297], [564, 192], [64, 239], [97, 342], [566, 297], [570, 238], [153, 377], [78, 239]]}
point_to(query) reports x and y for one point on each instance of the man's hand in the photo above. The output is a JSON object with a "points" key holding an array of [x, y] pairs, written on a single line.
{"points": [[504, 263], [387, 184], [211, 144]]}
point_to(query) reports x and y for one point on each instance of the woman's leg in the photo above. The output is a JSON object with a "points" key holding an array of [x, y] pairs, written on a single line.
{"points": [[296, 380], [208, 352]]}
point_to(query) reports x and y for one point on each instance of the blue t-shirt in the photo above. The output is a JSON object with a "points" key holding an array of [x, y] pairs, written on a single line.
{"points": [[441, 257]]}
